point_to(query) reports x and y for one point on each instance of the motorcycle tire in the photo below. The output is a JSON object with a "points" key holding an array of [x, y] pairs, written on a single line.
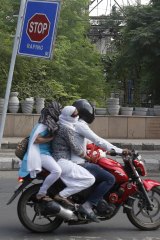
{"points": [[27, 213], [139, 216]]}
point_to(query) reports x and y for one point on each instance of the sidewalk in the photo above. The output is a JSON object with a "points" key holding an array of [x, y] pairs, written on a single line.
{"points": [[8, 160], [137, 144]]}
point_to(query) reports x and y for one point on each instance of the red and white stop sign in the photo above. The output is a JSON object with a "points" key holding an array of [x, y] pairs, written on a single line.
{"points": [[38, 27]]}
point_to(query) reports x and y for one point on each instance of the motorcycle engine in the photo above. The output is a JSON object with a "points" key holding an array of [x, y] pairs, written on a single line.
{"points": [[104, 209]]}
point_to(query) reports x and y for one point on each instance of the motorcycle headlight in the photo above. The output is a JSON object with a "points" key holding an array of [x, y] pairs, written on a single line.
{"points": [[139, 157], [140, 167]]}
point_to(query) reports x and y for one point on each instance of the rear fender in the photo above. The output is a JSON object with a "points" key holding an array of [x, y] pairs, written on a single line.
{"points": [[149, 184], [25, 183]]}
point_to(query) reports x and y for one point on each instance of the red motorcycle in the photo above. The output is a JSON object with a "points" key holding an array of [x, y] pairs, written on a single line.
{"points": [[140, 198]]}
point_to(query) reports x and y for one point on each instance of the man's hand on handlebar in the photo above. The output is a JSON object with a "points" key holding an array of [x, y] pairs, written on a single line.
{"points": [[126, 152]]}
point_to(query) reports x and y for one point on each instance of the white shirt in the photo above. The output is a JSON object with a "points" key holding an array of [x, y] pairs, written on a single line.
{"points": [[84, 133]]}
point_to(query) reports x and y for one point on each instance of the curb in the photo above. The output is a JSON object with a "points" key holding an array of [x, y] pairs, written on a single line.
{"points": [[143, 146], [138, 146], [152, 165], [8, 145], [9, 164]]}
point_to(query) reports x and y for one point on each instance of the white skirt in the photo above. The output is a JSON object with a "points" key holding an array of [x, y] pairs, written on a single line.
{"points": [[75, 177]]}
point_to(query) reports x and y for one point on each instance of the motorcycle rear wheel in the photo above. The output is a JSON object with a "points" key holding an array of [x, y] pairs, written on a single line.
{"points": [[142, 218], [28, 214]]}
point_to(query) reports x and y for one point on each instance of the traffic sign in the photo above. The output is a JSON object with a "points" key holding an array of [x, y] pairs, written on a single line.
{"points": [[39, 28]]}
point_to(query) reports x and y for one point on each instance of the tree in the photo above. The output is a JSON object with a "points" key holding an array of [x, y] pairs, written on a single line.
{"points": [[142, 34], [76, 70], [137, 56], [7, 30]]}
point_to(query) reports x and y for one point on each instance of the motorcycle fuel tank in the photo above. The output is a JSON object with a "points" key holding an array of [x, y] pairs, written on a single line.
{"points": [[115, 168]]}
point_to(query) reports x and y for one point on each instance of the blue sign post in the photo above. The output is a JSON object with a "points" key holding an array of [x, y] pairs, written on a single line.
{"points": [[39, 28]]}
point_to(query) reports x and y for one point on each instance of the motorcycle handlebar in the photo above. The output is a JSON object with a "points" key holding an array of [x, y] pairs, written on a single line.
{"points": [[131, 153], [112, 153]]}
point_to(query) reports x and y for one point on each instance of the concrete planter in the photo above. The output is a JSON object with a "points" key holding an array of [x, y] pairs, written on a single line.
{"points": [[100, 111], [113, 101], [126, 111], [113, 111], [157, 110], [140, 111], [113, 106], [39, 104], [13, 104], [150, 112], [27, 105], [1, 104]]}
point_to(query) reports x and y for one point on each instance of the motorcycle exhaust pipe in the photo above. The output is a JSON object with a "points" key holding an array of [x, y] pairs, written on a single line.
{"points": [[58, 210]]}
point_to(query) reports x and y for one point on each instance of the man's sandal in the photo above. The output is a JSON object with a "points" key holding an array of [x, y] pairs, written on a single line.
{"points": [[63, 200], [46, 198]]}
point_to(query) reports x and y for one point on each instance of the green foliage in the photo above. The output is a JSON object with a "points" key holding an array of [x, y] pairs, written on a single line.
{"points": [[137, 40], [76, 70]]}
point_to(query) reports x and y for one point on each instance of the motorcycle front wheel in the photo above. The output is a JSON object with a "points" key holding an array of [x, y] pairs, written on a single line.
{"points": [[140, 216], [30, 215]]}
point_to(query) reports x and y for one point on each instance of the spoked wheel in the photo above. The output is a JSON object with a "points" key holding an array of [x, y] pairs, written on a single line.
{"points": [[31, 213], [140, 216]]}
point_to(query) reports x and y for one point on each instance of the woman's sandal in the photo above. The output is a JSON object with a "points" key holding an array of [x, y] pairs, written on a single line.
{"points": [[46, 198]]}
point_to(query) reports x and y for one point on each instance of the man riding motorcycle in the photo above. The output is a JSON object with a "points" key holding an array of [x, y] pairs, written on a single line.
{"points": [[83, 133]]}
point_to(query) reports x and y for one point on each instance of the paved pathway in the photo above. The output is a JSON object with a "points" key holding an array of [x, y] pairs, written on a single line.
{"points": [[148, 148]]}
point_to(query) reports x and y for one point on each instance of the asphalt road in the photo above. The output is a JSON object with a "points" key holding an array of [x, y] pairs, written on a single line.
{"points": [[118, 228]]}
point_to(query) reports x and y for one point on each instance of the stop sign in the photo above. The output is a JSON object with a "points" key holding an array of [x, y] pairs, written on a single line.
{"points": [[38, 27]]}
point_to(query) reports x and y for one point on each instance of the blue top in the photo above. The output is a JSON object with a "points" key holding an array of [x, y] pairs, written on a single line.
{"points": [[45, 148]]}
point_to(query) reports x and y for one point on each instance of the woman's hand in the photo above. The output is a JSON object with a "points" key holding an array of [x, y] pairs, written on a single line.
{"points": [[41, 139], [92, 159]]}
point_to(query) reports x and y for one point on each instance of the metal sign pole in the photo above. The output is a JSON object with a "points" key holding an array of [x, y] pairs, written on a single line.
{"points": [[11, 70]]}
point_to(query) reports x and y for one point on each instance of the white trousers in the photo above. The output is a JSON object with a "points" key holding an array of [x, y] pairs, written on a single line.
{"points": [[75, 177], [51, 165]]}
